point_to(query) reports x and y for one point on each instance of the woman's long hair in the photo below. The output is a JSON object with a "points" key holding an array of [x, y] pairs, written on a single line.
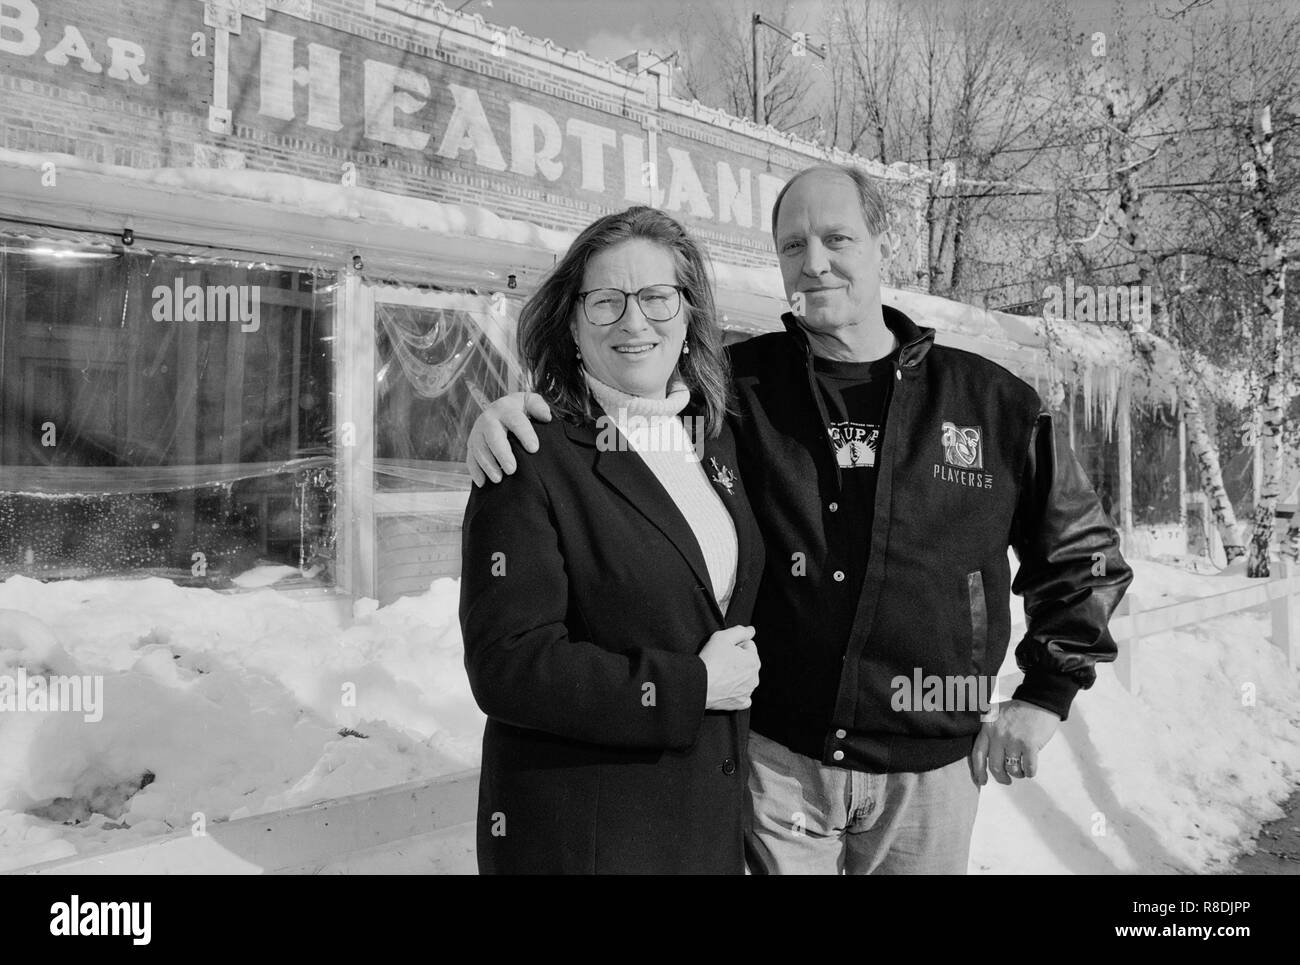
{"points": [[546, 343]]}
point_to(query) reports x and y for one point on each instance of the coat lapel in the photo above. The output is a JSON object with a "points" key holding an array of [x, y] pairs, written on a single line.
{"points": [[632, 479], [718, 456]]}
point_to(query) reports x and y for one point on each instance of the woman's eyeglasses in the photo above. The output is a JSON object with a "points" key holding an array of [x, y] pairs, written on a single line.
{"points": [[605, 306]]}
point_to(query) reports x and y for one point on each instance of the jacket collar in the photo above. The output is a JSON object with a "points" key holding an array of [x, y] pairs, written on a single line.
{"points": [[583, 432], [914, 339]]}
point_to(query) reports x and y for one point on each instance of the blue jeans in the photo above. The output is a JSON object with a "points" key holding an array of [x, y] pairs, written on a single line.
{"points": [[814, 819]]}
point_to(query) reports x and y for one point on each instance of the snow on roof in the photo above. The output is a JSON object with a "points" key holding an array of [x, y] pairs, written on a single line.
{"points": [[946, 315], [1092, 357], [322, 199]]}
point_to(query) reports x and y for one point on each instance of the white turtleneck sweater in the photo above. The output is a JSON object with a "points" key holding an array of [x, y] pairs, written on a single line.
{"points": [[656, 434]]}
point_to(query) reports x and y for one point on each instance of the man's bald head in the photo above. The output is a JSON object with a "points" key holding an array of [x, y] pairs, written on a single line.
{"points": [[869, 197]]}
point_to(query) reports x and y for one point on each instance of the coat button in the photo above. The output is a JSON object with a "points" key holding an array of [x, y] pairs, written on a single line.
{"points": [[838, 576], [841, 734], [833, 506], [728, 767], [838, 755]]}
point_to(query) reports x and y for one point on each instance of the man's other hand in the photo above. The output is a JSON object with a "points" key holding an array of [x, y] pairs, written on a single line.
{"points": [[488, 452], [1008, 746]]}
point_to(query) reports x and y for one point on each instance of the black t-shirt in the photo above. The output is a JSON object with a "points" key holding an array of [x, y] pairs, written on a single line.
{"points": [[856, 395]]}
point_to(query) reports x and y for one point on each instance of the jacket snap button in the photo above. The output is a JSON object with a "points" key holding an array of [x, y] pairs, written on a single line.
{"points": [[898, 374], [728, 767], [838, 576], [833, 506], [838, 755], [841, 734]]}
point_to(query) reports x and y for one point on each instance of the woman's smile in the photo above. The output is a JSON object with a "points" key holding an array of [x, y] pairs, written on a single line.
{"points": [[633, 351]]}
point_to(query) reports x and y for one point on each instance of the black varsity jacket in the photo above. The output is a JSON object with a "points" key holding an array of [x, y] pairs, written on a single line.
{"points": [[969, 464]]}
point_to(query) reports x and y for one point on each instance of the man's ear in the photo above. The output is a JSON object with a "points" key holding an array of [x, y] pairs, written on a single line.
{"points": [[887, 244]]}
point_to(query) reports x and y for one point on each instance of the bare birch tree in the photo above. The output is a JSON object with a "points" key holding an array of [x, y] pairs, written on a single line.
{"points": [[957, 89]]}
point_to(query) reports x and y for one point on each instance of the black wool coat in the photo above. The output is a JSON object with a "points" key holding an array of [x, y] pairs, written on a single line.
{"points": [[584, 603]]}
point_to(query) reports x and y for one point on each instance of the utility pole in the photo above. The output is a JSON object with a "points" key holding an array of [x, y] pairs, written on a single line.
{"points": [[800, 48]]}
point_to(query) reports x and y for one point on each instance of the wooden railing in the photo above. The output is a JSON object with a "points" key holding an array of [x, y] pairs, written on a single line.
{"points": [[1132, 622]]}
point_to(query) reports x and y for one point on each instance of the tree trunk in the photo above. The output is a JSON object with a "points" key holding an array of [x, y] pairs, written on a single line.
{"points": [[1273, 402], [956, 281], [1270, 441], [1206, 454]]}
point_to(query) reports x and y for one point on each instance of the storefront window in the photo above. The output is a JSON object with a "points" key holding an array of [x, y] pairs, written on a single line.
{"points": [[163, 414], [439, 358]]}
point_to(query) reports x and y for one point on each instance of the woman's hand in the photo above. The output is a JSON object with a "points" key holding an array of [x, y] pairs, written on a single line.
{"points": [[731, 660]]}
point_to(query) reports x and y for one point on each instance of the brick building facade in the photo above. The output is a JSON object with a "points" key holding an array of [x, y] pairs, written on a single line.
{"points": [[262, 261], [403, 97]]}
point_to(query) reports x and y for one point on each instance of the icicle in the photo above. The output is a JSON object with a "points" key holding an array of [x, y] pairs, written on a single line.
{"points": [[1110, 399], [1087, 397]]}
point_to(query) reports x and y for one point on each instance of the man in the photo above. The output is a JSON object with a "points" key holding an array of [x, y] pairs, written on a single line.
{"points": [[889, 475]]}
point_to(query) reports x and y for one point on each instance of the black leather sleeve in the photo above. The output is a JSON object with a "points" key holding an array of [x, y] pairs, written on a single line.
{"points": [[1071, 575]]}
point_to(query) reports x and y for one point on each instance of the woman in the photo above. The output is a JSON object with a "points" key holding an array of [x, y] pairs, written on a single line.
{"points": [[606, 584]]}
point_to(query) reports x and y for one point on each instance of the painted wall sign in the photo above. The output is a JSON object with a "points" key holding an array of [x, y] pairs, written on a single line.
{"points": [[22, 34], [290, 75], [258, 84]]}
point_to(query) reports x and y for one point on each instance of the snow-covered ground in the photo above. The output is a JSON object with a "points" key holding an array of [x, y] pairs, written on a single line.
{"points": [[223, 704], [1176, 779], [239, 704]]}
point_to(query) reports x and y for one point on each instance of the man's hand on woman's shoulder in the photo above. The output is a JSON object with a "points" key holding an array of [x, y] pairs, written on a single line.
{"points": [[488, 453]]}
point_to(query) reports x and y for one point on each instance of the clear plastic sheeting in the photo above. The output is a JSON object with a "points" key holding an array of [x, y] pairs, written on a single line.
{"points": [[163, 414], [167, 413], [439, 358]]}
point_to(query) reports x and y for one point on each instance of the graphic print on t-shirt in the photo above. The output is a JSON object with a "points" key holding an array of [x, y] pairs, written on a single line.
{"points": [[855, 444]]}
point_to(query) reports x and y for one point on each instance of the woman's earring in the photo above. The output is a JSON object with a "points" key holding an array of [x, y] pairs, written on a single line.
{"points": [[578, 351], [686, 349]]}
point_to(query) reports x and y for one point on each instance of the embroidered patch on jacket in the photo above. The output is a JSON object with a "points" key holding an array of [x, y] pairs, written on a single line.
{"points": [[855, 444], [963, 457], [962, 447]]}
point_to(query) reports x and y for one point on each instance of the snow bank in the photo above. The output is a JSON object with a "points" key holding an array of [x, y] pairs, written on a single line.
{"points": [[223, 704]]}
